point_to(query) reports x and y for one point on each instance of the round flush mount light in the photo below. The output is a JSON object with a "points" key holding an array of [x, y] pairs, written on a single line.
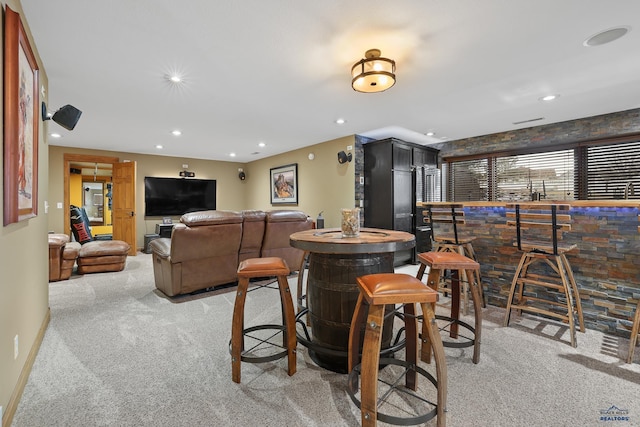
{"points": [[159, 147], [606, 36], [55, 135], [176, 132], [340, 121], [311, 156], [373, 73], [261, 144]]}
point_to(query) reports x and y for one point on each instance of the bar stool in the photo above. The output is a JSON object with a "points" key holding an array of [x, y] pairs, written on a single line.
{"points": [[539, 228], [438, 263], [376, 291], [253, 268], [448, 237], [634, 333]]}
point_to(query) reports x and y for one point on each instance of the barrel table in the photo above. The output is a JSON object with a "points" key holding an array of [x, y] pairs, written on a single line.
{"points": [[334, 264]]}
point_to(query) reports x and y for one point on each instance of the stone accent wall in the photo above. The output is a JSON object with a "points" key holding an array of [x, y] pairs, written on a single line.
{"points": [[605, 263], [589, 128]]}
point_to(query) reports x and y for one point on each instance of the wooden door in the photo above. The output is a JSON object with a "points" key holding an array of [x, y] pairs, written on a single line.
{"points": [[124, 204]]}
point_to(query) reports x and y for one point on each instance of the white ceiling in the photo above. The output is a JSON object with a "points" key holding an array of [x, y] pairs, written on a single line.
{"points": [[278, 71]]}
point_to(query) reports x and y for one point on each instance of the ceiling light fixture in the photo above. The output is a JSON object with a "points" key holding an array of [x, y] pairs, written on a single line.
{"points": [[340, 121], [549, 97], [176, 132], [261, 144], [373, 73], [55, 135], [159, 147]]}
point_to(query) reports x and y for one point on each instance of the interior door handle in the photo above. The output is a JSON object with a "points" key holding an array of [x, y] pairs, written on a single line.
{"points": [[133, 213]]}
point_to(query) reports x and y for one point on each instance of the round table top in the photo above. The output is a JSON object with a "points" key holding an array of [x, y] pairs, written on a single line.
{"points": [[370, 240]]}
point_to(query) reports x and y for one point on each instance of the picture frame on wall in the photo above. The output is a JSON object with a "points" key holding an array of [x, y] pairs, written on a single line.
{"points": [[284, 185], [21, 119]]}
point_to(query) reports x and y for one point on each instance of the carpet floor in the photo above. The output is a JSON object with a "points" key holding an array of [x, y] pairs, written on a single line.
{"points": [[118, 352]]}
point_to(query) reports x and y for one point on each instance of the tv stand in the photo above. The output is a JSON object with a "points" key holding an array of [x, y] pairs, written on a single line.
{"points": [[164, 230]]}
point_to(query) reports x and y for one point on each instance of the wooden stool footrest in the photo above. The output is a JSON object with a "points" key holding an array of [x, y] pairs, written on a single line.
{"points": [[353, 387]]}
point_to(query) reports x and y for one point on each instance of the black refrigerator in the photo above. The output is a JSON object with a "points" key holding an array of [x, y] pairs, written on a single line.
{"points": [[398, 175]]}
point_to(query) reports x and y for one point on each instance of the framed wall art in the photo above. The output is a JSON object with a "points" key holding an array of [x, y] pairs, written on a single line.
{"points": [[284, 185], [21, 113]]}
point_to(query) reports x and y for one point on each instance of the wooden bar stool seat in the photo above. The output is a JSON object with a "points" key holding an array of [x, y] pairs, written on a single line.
{"points": [[447, 222], [634, 333], [377, 291], [263, 268], [438, 263], [544, 269]]}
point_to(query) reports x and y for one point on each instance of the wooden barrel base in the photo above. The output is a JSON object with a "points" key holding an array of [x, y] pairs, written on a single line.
{"points": [[331, 295]]}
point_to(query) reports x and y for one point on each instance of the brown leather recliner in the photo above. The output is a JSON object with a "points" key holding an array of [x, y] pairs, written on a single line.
{"points": [[62, 256], [279, 225], [201, 253]]}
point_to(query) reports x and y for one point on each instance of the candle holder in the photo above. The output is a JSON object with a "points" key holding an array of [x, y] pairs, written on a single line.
{"points": [[350, 222]]}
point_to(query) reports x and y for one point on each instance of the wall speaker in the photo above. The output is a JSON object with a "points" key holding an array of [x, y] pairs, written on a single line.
{"points": [[67, 116], [344, 157]]}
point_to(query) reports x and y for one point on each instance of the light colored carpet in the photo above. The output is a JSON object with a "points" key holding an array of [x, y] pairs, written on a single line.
{"points": [[117, 352]]}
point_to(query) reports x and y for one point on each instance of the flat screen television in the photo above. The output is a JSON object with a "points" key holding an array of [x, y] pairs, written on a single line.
{"points": [[177, 196]]}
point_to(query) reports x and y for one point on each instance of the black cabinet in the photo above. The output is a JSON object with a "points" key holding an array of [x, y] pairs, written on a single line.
{"points": [[394, 180]]}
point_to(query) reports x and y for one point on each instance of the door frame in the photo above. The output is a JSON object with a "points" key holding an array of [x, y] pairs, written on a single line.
{"points": [[67, 160]]}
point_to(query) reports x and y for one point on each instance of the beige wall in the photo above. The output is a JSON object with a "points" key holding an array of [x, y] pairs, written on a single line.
{"points": [[24, 291], [324, 184], [230, 189]]}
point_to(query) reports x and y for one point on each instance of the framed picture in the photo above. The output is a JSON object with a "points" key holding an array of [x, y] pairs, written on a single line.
{"points": [[21, 118], [284, 185]]}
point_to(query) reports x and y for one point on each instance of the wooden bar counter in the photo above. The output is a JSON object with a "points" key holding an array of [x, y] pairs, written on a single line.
{"points": [[606, 263]]}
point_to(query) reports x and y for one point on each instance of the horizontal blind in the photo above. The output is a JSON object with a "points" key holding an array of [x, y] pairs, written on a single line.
{"points": [[550, 174], [613, 171], [468, 180]]}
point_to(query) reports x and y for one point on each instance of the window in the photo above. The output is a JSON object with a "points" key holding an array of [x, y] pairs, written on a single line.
{"points": [[588, 170], [535, 176], [469, 180], [613, 171]]}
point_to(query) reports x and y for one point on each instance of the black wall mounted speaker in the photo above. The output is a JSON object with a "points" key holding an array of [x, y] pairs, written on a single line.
{"points": [[67, 116]]}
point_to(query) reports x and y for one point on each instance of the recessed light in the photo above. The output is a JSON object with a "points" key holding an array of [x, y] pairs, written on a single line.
{"points": [[55, 135], [176, 132], [261, 144], [232, 154], [174, 78], [430, 133], [549, 97], [159, 147], [341, 121], [606, 36]]}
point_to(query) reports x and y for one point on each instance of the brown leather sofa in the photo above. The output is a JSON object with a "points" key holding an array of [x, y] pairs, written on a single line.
{"points": [[206, 247], [62, 256]]}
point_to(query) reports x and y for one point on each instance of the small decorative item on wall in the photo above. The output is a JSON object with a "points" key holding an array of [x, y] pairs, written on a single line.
{"points": [[21, 115], [284, 185]]}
